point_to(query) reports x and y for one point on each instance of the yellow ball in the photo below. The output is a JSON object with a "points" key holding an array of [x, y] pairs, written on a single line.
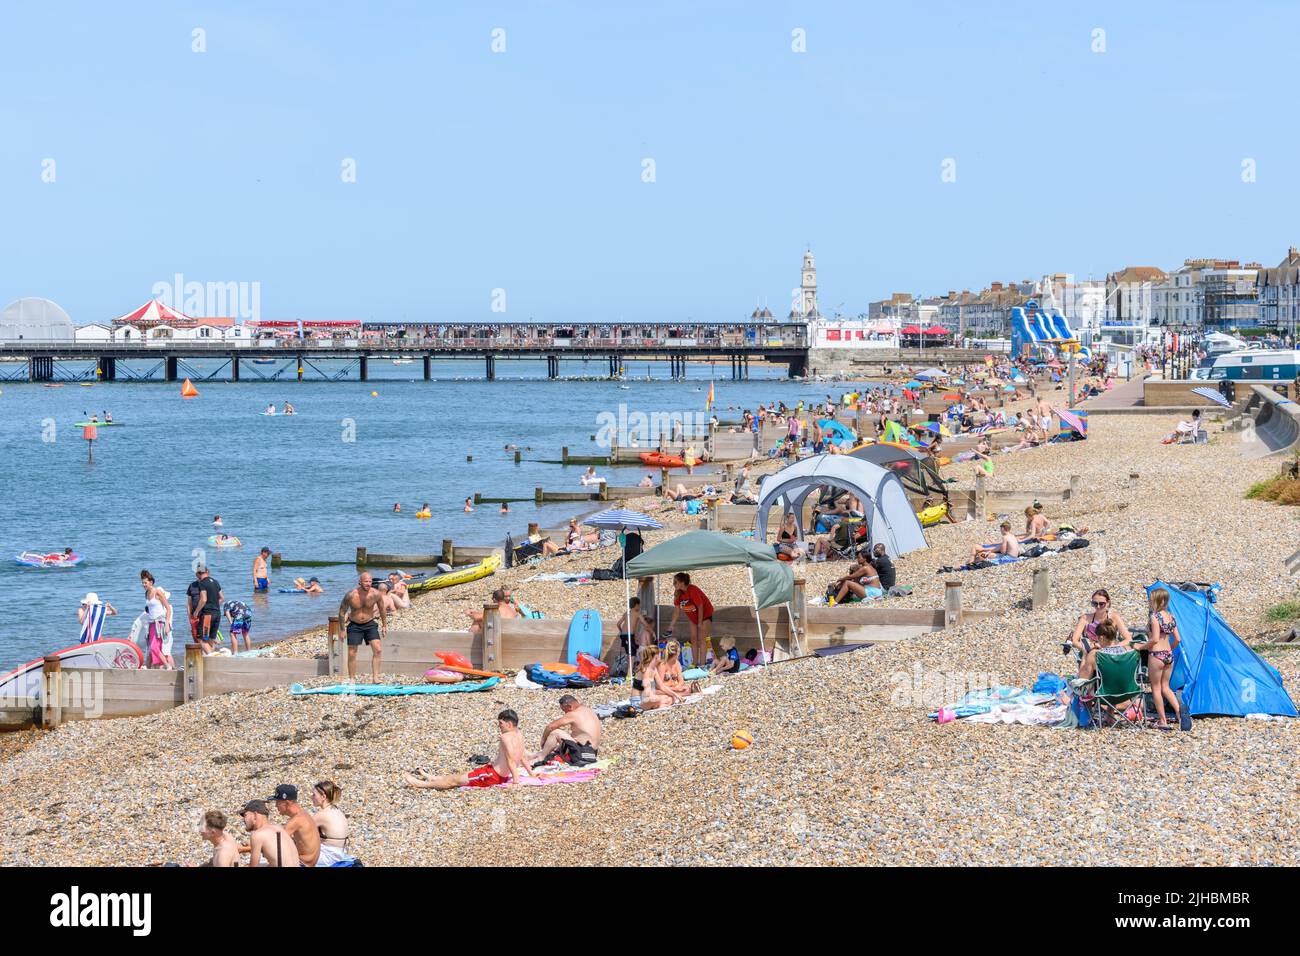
{"points": [[741, 740], [374, 394]]}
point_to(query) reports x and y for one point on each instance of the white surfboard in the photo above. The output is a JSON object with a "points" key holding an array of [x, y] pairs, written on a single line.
{"points": [[26, 681]]}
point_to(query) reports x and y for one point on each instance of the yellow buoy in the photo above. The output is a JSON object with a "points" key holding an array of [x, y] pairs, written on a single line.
{"points": [[741, 740], [374, 394]]}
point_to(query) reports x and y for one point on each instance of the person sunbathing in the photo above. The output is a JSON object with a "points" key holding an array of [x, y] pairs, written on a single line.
{"points": [[862, 582], [787, 540], [397, 588], [680, 493], [1108, 643], [1102, 613], [1036, 523], [654, 696], [1184, 429], [507, 766], [1008, 548], [506, 608], [670, 670]]}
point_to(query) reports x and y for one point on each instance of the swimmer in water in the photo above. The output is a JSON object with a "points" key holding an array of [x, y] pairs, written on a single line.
{"points": [[289, 409], [270, 409], [397, 507], [469, 505], [216, 521], [505, 507]]}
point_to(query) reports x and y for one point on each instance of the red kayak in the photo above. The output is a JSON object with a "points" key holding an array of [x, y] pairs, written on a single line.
{"points": [[660, 460]]}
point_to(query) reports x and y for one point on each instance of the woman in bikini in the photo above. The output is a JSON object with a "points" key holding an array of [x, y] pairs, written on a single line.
{"points": [[787, 539], [331, 822], [1085, 629], [1163, 637], [654, 695], [670, 670]]}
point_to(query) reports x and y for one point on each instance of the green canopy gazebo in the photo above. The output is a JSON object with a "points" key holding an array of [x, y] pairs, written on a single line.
{"points": [[771, 581]]}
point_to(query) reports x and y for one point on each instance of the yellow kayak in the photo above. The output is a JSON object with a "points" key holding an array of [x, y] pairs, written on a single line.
{"points": [[471, 572], [933, 515]]}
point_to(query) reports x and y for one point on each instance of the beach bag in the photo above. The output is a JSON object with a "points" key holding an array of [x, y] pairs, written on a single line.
{"points": [[540, 675], [591, 668], [603, 574], [1077, 543], [1081, 716]]}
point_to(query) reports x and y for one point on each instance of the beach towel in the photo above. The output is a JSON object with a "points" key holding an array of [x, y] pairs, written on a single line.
{"points": [[393, 690], [1006, 703], [556, 773], [93, 625]]}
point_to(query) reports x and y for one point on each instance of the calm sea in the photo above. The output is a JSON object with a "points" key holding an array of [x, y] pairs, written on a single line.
{"points": [[295, 484]]}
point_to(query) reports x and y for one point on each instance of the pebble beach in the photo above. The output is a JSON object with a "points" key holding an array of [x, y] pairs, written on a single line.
{"points": [[845, 767]]}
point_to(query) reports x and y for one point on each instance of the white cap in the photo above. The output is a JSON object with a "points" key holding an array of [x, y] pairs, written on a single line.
{"points": [[90, 598]]}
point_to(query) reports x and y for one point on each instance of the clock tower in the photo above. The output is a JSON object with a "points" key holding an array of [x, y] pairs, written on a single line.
{"points": [[808, 285]]}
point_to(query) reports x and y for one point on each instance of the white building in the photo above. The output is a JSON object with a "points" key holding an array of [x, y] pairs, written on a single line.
{"points": [[92, 333]]}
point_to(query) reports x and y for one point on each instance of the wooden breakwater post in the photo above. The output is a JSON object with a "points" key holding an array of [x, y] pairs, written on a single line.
{"points": [[981, 497], [491, 636], [193, 687], [335, 666], [798, 617], [449, 551], [517, 456], [275, 559], [1042, 589], [952, 610], [361, 557], [52, 694]]}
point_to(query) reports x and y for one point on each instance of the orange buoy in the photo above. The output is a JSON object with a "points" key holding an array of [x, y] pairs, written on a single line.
{"points": [[89, 432], [188, 390]]}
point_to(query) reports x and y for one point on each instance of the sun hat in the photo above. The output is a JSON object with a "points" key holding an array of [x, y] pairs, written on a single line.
{"points": [[90, 598]]}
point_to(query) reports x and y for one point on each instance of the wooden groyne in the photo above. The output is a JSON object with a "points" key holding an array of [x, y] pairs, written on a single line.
{"points": [[72, 694]]}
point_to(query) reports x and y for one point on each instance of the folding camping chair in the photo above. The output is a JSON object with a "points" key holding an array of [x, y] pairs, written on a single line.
{"points": [[1117, 692]]}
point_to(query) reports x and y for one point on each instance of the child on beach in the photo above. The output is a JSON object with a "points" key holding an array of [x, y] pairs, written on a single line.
{"points": [[241, 624], [1164, 637], [729, 661]]}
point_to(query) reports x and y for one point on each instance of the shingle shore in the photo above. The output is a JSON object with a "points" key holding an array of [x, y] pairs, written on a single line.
{"points": [[845, 767]]}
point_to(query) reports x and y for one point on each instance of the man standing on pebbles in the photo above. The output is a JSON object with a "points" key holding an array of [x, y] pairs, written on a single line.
{"points": [[357, 619]]}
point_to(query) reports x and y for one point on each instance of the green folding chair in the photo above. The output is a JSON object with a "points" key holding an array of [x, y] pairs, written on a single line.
{"points": [[1117, 685]]}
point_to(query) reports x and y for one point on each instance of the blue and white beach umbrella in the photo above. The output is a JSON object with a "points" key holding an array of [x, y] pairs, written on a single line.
{"points": [[621, 518], [1213, 394]]}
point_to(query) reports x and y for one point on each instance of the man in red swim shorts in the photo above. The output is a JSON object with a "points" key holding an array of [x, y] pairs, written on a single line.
{"points": [[509, 761], [699, 611]]}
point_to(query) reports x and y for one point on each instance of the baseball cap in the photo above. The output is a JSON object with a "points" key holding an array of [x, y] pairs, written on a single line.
{"points": [[255, 806], [285, 791], [200, 568]]}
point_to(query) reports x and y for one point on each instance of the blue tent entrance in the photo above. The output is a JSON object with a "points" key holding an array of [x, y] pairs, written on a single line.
{"points": [[1214, 669]]}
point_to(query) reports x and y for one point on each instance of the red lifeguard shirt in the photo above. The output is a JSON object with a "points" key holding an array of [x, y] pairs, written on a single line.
{"points": [[693, 601]]}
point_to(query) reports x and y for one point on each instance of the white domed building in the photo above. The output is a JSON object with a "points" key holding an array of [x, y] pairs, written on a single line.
{"points": [[34, 320]]}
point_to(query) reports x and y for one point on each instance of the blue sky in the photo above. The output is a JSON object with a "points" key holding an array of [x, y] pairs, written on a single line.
{"points": [[522, 170]]}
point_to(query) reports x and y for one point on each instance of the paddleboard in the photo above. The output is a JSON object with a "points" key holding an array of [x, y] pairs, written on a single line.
{"points": [[584, 635], [26, 681], [96, 424]]}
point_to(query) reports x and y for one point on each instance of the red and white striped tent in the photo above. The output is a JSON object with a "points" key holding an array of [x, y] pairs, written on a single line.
{"points": [[154, 313]]}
